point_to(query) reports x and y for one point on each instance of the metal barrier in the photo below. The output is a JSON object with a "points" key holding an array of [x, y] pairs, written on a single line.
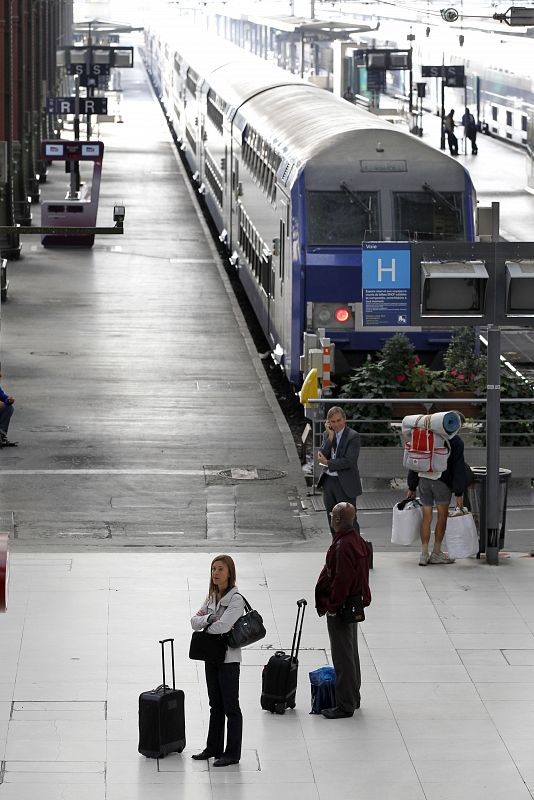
{"points": [[385, 460]]}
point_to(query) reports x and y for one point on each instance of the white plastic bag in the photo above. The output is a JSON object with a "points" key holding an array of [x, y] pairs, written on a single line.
{"points": [[407, 516], [461, 537]]}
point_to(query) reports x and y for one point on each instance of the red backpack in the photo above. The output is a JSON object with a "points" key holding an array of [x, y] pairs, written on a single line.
{"points": [[426, 452]]}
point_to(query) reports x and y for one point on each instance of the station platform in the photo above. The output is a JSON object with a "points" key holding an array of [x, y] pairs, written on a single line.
{"points": [[499, 172], [150, 440], [447, 657], [143, 411]]}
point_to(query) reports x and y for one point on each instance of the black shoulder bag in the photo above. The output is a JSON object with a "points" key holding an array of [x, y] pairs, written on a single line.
{"points": [[248, 629], [352, 609], [208, 646]]}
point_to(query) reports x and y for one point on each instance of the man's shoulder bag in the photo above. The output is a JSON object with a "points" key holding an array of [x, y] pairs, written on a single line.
{"points": [[352, 609]]}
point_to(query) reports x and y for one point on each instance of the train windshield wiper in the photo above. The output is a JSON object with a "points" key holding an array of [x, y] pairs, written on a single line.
{"points": [[356, 200], [440, 198]]}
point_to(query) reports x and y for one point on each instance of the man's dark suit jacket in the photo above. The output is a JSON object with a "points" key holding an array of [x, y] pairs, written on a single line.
{"points": [[345, 462]]}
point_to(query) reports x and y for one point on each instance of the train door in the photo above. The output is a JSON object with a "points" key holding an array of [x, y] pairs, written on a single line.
{"points": [[268, 282], [280, 306], [236, 191]]}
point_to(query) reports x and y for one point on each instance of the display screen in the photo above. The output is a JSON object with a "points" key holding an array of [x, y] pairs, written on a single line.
{"points": [[54, 150], [454, 295], [90, 150]]}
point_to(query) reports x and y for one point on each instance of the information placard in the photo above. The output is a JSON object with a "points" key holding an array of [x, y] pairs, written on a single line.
{"points": [[386, 283]]}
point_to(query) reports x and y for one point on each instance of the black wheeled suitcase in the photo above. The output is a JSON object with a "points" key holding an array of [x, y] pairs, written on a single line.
{"points": [[279, 678], [162, 716]]}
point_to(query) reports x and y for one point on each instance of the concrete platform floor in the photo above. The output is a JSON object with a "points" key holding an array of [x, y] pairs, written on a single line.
{"points": [[447, 661], [135, 377]]}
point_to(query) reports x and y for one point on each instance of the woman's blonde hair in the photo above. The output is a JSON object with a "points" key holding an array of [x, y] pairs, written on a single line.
{"points": [[229, 561]]}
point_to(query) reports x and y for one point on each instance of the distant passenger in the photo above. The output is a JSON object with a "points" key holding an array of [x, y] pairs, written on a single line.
{"points": [[222, 607], [349, 95], [339, 453], [448, 124], [6, 412], [439, 492], [470, 130], [344, 575]]}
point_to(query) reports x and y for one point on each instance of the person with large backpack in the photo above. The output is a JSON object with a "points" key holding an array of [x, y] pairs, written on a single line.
{"points": [[452, 480]]}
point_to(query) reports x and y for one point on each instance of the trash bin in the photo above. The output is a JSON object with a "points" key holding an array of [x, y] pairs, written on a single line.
{"points": [[476, 499]]}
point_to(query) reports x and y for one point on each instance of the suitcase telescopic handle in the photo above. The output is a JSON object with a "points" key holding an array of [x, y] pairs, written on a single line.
{"points": [[301, 608], [163, 643]]}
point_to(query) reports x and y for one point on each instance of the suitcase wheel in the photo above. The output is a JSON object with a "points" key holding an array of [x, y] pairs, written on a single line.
{"points": [[280, 708], [291, 705]]}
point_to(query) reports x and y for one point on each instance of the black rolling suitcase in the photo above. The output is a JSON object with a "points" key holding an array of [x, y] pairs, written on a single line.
{"points": [[279, 678], [162, 716]]}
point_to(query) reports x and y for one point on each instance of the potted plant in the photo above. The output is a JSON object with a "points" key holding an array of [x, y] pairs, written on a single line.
{"points": [[463, 366]]}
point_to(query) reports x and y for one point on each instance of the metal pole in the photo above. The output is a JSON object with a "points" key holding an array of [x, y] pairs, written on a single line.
{"points": [[89, 73], [75, 167], [493, 433], [442, 140]]}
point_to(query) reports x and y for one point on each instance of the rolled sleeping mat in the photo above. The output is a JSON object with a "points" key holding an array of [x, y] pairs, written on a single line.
{"points": [[446, 423]]}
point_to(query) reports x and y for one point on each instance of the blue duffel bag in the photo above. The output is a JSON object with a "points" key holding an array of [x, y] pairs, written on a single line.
{"points": [[323, 689]]}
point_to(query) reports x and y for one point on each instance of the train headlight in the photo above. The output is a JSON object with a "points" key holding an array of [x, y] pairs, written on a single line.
{"points": [[324, 314], [342, 314]]}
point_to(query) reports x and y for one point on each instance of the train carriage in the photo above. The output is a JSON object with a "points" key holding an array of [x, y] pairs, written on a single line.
{"points": [[295, 179]]}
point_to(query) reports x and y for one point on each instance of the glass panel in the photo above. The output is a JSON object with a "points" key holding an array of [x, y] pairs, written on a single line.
{"points": [[337, 218], [422, 216]]}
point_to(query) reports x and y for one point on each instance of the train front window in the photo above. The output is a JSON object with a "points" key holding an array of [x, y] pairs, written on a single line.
{"points": [[343, 218], [429, 214]]}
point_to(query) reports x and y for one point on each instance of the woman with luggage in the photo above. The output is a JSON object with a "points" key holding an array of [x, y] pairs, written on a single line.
{"points": [[221, 609]]}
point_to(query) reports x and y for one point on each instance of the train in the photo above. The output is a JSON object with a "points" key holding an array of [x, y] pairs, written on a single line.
{"points": [[295, 180]]}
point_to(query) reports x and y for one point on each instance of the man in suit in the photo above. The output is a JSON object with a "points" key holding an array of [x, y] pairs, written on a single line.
{"points": [[339, 453]]}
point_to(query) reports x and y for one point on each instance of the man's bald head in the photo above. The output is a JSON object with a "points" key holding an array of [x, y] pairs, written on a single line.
{"points": [[343, 517]]}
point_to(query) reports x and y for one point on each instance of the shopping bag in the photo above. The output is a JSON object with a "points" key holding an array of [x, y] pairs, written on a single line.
{"points": [[407, 516], [323, 689], [461, 538]]}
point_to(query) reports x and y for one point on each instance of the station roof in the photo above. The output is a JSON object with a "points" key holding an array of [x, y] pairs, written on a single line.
{"points": [[302, 26]]}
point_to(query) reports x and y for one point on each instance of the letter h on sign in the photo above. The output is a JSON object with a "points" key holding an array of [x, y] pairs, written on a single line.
{"points": [[381, 269]]}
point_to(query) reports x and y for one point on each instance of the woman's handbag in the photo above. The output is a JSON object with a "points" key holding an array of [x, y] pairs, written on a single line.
{"points": [[248, 629], [208, 647], [461, 538], [352, 610], [407, 516]]}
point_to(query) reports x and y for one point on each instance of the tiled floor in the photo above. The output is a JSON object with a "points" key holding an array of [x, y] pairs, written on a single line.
{"points": [[447, 699]]}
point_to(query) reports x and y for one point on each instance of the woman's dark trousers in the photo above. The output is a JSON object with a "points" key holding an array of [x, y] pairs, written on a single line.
{"points": [[223, 692]]}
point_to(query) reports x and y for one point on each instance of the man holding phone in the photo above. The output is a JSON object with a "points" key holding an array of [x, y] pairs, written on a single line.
{"points": [[339, 453]]}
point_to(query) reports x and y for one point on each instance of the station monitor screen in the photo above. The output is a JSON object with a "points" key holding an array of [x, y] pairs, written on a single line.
{"points": [[454, 288], [90, 150], [54, 150], [520, 288]]}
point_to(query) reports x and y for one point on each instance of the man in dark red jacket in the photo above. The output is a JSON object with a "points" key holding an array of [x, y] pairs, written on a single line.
{"points": [[345, 573]]}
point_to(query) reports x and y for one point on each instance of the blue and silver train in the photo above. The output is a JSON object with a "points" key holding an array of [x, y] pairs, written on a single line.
{"points": [[295, 179]]}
